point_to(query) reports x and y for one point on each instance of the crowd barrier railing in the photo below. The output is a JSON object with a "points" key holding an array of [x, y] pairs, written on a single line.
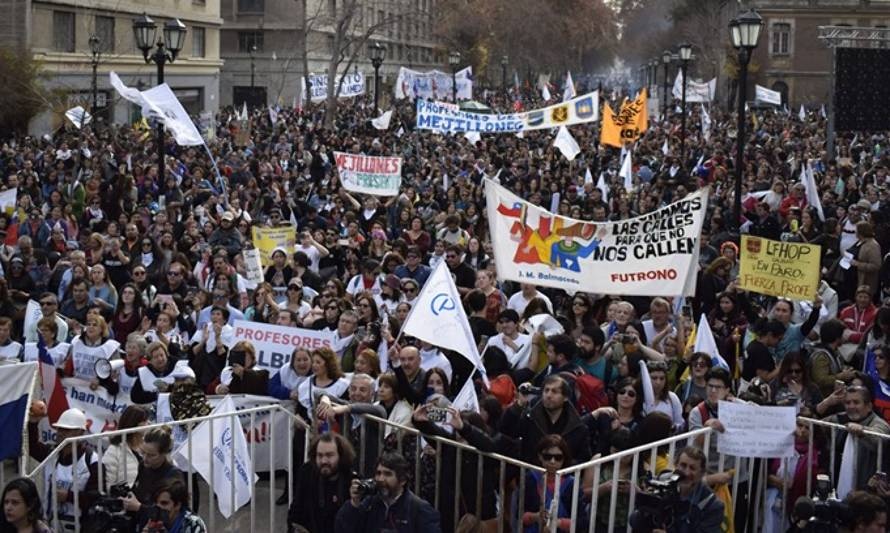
{"points": [[45, 477]]}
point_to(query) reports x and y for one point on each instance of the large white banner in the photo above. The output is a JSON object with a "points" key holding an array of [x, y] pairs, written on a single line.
{"points": [[366, 174], [433, 85], [444, 117], [767, 96], [655, 254], [695, 91], [101, 408], [353, 85], [275, 344]]}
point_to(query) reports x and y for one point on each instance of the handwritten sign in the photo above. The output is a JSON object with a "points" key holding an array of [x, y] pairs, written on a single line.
{"points": [[253, 265], [776, 268], [756, 431]]}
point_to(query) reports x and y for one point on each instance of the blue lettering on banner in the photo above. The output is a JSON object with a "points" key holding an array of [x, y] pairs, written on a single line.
{"points": [[442, 302]]}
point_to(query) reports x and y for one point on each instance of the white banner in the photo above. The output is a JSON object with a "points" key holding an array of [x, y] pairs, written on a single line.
{"points": [[695, 91], [655, 254], [101, 408], [433, 85], [767, 96], [443, 117], [78, 116], [253, 265], [275, 344], [161, 104], [380, 176], [7, 200], [756, 431], [353, 85]]}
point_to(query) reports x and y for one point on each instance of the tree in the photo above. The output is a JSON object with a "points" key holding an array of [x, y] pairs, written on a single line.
{"points": [[21, 90]]}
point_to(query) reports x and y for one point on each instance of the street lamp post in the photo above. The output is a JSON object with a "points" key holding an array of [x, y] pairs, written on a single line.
{"points": [[377, 52], [745, 32], [165, 51], [666, 57], [685, 56], [653, 76], [95, 53], [504, 62], [252, 53], [454, 61]]}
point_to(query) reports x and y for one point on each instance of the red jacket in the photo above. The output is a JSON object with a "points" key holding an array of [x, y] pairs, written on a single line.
{"points": [[858, 321], [790, 201]]}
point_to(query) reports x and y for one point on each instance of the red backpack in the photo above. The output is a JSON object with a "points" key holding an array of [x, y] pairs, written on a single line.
{"points": [[590, 392]]}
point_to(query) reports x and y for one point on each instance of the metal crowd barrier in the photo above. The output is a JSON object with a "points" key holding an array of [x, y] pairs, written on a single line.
{"points": [[99, 441]]}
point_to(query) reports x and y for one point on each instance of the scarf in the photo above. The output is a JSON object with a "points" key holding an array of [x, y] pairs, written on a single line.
{"points": [[341, 343], [289, 378]]}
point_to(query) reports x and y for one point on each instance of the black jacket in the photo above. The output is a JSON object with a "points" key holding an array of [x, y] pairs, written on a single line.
{"points": [[409, 514], [317, 500], [534, 424]]}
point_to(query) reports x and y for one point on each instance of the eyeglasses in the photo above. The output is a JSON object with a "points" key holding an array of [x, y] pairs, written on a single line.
{"points": [[552, 456], [713, 386], [138, 273], [47, 303], [410, 289], [174, 274], [628, 392], [219, 297], [294, 288]]}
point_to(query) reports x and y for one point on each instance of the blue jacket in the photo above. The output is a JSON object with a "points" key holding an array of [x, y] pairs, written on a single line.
{"points": [[705, 513], [409, 514]]}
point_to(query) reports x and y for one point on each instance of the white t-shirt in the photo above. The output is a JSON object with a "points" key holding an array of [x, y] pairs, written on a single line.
{"points": [[313, 254], [518, 358], [518, 303]]}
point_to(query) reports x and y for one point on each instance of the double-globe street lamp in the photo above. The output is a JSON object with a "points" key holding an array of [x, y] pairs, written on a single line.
{"points": [[685, 56], [165, 51], [454, 61], [744, 32]]}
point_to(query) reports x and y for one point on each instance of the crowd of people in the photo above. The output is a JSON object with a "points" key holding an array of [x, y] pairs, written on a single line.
{"points": [[127, 264]]}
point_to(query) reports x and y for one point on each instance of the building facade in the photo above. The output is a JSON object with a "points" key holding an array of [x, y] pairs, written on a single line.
{"points": [[790, 58], [57, 33], [263, 43]]}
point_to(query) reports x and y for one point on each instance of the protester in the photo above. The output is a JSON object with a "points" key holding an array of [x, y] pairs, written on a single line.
{"points": [[323, 484], [22, 510]]}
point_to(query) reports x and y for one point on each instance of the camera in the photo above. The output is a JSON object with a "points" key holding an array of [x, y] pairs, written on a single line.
{"points": [[529, 389], [824, 513], [624, 338], [367, 487], [658, 505], [107, 515]]}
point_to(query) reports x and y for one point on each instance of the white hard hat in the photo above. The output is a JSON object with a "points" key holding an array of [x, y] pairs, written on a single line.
{"points": [[72, 419]]}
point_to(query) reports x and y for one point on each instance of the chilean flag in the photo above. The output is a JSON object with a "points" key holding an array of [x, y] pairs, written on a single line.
{"points": [[53, 393], [18, 380]]}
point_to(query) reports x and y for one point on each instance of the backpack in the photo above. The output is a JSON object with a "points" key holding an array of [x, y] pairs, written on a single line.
{"points": [[590, 392]]}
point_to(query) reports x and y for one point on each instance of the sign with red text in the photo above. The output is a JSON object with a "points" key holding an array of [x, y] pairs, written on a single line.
{"points": [[367, 174], [655, 254], [275, 344]]}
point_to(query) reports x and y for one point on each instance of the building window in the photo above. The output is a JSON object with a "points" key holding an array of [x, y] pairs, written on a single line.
{"points": [[249, 39], [251, 6], [197, 42], [781, 39], [63, 31], [330, 40], [105, 33]]}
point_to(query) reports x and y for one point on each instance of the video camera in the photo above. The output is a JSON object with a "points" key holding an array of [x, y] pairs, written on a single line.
{"points": [[824, 512], [658, 505], [107, 515]]}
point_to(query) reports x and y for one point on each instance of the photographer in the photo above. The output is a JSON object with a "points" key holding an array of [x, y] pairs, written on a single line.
{"points": [[393, 507], [704, 513], [326, 477], [154, 470], [170, 512]]}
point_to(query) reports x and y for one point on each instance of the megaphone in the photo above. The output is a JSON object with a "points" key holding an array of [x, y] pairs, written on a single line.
{"points": [[105, 367]]}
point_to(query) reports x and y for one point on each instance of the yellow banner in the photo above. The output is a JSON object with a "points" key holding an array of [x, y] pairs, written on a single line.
{"points": [[267, 239], [777, 268], [628, 125]]}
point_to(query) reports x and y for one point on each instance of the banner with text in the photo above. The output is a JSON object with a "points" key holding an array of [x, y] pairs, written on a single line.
{"points": [[628, 125], [267, 239], [447, 118], [767, 96], [433, 85], [778, 268], [380, 176], [353, 85], [655, 254], [696, 92], [275, 344]]}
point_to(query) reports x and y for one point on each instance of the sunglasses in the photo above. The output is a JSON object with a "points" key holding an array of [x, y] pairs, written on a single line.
{"points": [[47, 303], [294, 288], [174, 274], [138, 273], [700, 364], [552, 456], [220, 297], [579, 304], [628, 392]]}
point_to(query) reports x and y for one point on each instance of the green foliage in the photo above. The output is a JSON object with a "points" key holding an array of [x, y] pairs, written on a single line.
{"points": [[21, 90]]}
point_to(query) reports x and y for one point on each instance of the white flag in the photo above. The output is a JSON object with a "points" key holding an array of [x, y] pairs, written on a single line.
{"points": [[8, 199], [704, 342], [545, 92], [32, 315], [466, 399], [243, 115], [802, 115], [809, 183], [705, 123], [566, 143], [78, 116], [164, 106], [569, 91], [588, 177], [627, 172], [438, 317], [382, 122], [601, 185], [129, 93], [400, 132], [227, 432], [473, 137], [273, 115], [665, 148]]}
